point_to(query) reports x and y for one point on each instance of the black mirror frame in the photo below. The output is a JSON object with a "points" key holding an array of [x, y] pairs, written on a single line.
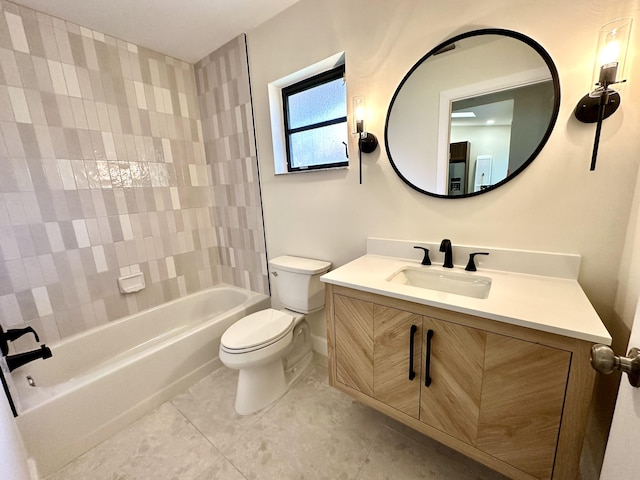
{"points": [[443, 46]]}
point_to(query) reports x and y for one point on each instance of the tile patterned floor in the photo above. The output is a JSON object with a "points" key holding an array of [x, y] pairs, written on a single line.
{"points": [[314, 432]]}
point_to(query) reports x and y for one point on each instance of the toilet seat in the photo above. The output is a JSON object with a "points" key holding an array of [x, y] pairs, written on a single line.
{"points": [[256, 331]]}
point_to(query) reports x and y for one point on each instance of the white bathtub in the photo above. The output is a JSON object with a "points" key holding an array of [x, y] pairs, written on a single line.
{"points": [[99, 381]]}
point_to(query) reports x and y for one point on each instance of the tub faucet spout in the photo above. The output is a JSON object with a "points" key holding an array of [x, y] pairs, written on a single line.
{"points": [[20, 359], [445, 246]]}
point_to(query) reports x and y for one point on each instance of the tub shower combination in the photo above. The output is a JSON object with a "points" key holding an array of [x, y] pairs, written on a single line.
{"points": [[99, 381]]}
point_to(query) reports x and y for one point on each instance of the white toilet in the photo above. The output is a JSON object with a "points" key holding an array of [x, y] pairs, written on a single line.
{"points": [[271, 347]]}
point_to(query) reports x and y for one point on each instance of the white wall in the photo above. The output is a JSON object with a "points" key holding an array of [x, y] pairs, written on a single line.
{"points": [[13, 456], [556, 205], [626, 301]]}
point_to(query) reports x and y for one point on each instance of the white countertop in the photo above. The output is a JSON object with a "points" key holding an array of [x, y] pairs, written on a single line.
{"points": [[551, 304]]}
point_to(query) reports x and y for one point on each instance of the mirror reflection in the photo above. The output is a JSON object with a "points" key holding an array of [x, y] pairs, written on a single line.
{"points": [[472, 113]]}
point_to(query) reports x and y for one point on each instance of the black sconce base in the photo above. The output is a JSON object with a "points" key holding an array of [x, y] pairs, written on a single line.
{"points": [[594, 109], [587, 109], [368, 143]]}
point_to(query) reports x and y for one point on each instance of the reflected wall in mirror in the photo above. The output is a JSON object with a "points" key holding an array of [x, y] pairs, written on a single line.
{"points": [[472, 113]]}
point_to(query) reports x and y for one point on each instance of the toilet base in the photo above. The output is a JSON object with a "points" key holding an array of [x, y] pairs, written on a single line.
{"points": [[260, 383], [259, 387]]}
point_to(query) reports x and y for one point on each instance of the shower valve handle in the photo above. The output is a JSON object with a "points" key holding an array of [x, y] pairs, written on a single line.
{"points": [[12, 335]]}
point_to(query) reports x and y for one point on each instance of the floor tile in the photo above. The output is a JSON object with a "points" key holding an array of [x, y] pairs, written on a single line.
{"points": [[209, 406], [315, 404], [397, 456], [314, 432], [273, 452], [161, 445]]}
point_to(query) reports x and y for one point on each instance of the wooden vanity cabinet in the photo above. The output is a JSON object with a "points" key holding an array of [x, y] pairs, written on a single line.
{"points": [[451, 400], [512, 398], [361, 350], [393, 365], [354, 344]]}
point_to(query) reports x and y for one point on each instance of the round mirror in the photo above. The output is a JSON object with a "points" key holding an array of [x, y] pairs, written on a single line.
{"points": [[472, 113]]}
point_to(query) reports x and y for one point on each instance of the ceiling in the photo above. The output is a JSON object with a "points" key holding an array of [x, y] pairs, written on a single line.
{"points": [[187, 29]]}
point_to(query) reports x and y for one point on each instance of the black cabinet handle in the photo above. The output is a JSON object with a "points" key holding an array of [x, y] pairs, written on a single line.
{"points": [[412, 373], [427, 366]]}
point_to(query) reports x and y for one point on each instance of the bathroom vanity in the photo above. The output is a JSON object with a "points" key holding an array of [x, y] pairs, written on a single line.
{"points": [[501, 374]]}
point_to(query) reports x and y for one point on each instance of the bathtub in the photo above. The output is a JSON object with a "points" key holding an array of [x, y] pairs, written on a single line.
{"points": [[99, 381]]}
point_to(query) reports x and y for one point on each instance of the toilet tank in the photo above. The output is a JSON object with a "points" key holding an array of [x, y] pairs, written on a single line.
{"points": [[298, 280]]}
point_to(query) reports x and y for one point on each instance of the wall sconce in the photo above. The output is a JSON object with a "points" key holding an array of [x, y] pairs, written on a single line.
{"points": [[367, 142], [611, 55]]}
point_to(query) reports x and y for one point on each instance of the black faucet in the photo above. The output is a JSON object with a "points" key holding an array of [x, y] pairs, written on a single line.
{"points": [[13, 334], [20, 359], [445, 246]]}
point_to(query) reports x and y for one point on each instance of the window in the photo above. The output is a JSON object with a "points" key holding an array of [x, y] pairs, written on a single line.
{"points": [[315, 121]]}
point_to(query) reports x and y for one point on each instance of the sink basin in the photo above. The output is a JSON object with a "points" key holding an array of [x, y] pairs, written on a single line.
{"points": [[448, 282]]}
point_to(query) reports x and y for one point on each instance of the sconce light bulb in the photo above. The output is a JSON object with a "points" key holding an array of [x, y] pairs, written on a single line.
{"points": [[610, 53], [608, 60], [359, 113], [360, 119]]}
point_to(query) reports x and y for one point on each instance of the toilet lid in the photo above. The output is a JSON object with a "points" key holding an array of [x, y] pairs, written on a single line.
{"points": [[265, 326]]}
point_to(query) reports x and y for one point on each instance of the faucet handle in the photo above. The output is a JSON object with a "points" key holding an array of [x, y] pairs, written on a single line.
{"points": [[471, 265], [425, 260], [16, 333], [12, 335]]}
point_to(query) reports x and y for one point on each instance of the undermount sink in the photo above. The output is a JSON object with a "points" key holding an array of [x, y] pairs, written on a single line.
{"points": [[448, 282]]}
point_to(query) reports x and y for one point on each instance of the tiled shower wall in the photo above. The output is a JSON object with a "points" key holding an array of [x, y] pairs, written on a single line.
{"points": [[222, 81], [103, 173]]}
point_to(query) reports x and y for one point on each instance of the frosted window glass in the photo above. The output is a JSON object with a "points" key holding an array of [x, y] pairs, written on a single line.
{"points": [[316, 121], [319, 146], [318, 104]]}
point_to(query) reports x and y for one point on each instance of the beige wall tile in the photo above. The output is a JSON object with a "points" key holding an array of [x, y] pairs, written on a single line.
{"points": [[16, 32], [10, 310], [107, 172]]}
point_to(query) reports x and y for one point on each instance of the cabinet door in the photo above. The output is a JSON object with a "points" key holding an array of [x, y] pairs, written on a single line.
{"points": [[354, 343], [455, 356], [396, 354], [522, 401]]}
